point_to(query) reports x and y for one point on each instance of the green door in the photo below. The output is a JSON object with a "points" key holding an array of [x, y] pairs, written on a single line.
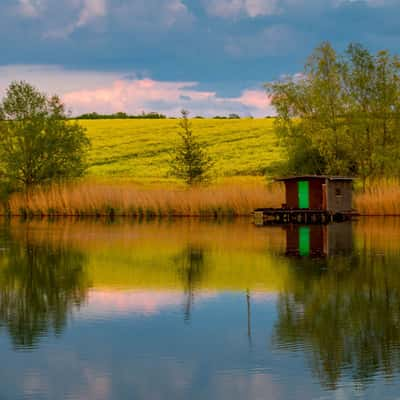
{"points": [[304, 241], [304, 194]]}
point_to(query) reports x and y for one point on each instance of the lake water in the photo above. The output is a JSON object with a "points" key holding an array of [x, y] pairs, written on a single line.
{"points": [[199, 310]]}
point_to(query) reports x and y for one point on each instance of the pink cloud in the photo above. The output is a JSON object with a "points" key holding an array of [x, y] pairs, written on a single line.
{"points": [[263, 297], [254, 98], [103, 303], [148, 95], [107, 92]]}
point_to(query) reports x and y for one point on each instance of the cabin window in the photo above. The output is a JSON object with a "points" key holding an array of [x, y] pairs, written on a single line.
{"points": [[339, 192]]}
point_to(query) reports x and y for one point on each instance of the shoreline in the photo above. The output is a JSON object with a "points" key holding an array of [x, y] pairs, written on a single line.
{"points": [[219, 200]]}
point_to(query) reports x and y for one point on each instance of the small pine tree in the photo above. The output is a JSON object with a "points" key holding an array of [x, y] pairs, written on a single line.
{"points": [[190, 161]]}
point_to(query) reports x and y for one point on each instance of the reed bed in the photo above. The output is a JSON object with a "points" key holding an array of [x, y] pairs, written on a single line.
{"points": [[230, 198], [381, 198], [125, 199]]}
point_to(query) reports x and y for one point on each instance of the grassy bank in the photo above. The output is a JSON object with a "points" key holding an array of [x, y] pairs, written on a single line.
{"points": [[234, 197]]}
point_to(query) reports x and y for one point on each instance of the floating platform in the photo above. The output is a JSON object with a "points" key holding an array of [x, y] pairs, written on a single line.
{"points": [[270, 216]]}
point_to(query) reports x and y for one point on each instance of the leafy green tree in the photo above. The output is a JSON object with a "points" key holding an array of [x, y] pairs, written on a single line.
{"points": [[359, 73], [388, 107], [37, 143], [341, 115], [190, 161], [310, 110], [372, 87]]}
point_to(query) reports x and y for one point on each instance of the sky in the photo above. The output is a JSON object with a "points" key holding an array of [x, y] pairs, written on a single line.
{"points": [[210, 57]]}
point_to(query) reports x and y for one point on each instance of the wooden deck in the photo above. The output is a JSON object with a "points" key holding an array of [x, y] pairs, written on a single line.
{"points": [[267, 216]]}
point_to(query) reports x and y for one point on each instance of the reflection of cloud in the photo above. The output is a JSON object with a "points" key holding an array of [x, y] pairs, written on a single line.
{"points": [[247, 386], [264, 297], [98, 385], [34, 384], [93, 384], [108, 304]]}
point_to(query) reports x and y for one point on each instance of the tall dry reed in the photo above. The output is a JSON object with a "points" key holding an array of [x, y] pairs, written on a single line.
{"points": [[224, 199], [380, 198], [125, 199]]}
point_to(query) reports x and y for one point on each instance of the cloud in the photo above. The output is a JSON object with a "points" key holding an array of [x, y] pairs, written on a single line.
{"points": [[255, 99], [273, 40], [59, 19], [257, 8], [151, 15], [91, 9], [107, 92], [79, 13], [55, 79], [371, 3], [166, 97], [234, 8], [31, 8]]}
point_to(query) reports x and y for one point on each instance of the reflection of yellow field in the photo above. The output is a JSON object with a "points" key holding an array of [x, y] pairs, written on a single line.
{"points": [[222, 272], [190, 254], [234, 256]]}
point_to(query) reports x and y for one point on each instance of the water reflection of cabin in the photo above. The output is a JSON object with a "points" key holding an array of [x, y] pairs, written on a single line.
{"points": [[319, 240], [311, 199]]}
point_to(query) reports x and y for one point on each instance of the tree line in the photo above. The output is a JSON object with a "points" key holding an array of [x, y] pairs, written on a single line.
{"points": [[121, 115], [149, 115], [341, 115]]}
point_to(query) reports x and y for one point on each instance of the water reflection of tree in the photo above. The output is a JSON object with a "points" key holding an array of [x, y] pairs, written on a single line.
{"points": [[346, 318], [39, 284], [191, 269]]}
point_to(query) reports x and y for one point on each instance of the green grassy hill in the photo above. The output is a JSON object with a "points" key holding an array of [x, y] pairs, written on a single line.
{"points": [[139, 149]]}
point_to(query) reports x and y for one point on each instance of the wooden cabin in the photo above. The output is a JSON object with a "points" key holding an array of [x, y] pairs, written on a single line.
{"points": [[316, 192], [311, 199]]}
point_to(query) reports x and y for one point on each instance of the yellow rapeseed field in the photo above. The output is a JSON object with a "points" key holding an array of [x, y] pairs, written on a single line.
{"points": [[140, 149]]}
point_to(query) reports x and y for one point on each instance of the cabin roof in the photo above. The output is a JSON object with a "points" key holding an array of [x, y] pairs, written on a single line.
{"points": [[308, 177]]}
